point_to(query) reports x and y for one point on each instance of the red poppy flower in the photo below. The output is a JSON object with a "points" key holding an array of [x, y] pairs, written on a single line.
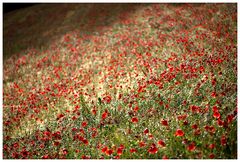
{"points": [[146, 131], [182, 117], [104, 115], [210, 129], [74, 129], [220, 122], [109, 152], [45, 157], [60, 116], [150, 136], [197, 132], [216, 115], [84, 124], [136, 109], [85, 157], [179, 132], [133, 150], [94, 111], [230, 118], [15, 145], [194, 126], [119, 151], [142, 144], [107, 99], [24, 153], [194, 108], [214, 80], [215, 108], [153, 149], [15, 155], [134, 119], [164, 122], [65, 151], [223, 140], [85, 141], [211, 156], [56, 143], [164, 157], [212, 146], [185, 122], [104, 149], [140, 89], [214, 94], [191, 147], [161, 143], [121, 146]]}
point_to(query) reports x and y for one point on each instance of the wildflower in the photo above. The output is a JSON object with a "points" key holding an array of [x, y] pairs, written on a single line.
{"points": [[223, 140], [136, 109], [60, 116], [85, 141], [211, 156], [215, 109], [24, 153], [191, 147], [94, 111], [161, 143], [211, 146], [56, 143], [107, 99], [197, 132], [150, 136], [134, 119], [195, 108], [182, 117], [142, 144], [16, 145], [104, 115], [214, 94], [109, 152], [119, 151], [146, 131], [74, 129], [194, 126], [15, 155], [185, 122], [164, 122], [104, 149], [140, 89], [216, 115], [85, 157], [45, 157], [133, 150], [220, 123], [84, 124], [179, 133], [214, 80], [153, 149], [65, 151], [230, 118], [164, 157]]}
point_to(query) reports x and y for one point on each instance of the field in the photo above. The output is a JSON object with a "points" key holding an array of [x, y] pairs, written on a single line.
{"points": [[120, 81]]}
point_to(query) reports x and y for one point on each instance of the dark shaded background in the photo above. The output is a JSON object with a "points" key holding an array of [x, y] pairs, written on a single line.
{"points": [[41, 24], [8, 7]]}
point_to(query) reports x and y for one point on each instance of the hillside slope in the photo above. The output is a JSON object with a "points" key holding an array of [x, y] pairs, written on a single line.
{"points": [[128, 81]]}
